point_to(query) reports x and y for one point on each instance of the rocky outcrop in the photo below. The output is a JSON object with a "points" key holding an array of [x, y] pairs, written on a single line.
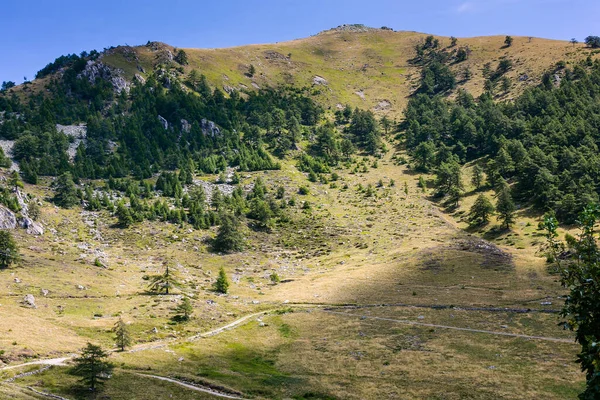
{"points": [[8, 219], [185, 126], [209, 128], [95, 69]]}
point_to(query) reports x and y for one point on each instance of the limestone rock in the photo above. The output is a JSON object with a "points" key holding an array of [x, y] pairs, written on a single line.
{"points": [[8, 220], [29, 301], [33, 228], [209, 128], [319, 80]]}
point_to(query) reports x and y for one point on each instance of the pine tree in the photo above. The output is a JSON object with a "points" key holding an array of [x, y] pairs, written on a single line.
{"points": [[229, 236], [222, 283], [92, 366], [477, 177], [184, 309], [124, 215], [122, 338], [9, 251], [164, 282], [66, 193], [481, 210], [505, 208]]}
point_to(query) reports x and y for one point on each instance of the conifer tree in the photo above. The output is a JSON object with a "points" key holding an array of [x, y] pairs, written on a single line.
{"points": [[164, 282], [92, 366], [184, 309], [481, 210], [222, 283], [505, 208], [121, 331]]}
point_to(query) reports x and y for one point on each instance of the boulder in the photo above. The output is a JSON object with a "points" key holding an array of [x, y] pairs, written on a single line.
{"points": [[29, 301], [33, 228]]}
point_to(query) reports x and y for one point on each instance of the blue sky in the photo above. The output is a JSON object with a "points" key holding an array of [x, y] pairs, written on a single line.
{"points": [[36, 32]]}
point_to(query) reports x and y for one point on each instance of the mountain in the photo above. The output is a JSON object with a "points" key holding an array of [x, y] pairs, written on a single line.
{"points": [[364, 67], [257, 225]]}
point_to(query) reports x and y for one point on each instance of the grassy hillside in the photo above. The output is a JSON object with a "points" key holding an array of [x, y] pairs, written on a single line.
{"points": [[364, 69], [393, 248], [364, 288]]}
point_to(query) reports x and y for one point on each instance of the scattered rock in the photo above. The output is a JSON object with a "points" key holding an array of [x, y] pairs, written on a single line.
{"points": [[29, 301], [17, 280], [360, 94], [45, 292], [318, 80], [383, 105]]}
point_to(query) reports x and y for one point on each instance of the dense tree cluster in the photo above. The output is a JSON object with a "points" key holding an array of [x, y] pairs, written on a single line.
{"points": [[545, 142]]}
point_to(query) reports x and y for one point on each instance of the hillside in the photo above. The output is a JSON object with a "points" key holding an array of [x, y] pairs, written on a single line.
{"points": [[364, 69], [131, 185]]}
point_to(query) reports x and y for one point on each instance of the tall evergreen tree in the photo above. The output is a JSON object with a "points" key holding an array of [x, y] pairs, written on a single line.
{"points": [[65, 191], [480, 212], [505, 208], [9, 251], [92, 366], [122, 337]]}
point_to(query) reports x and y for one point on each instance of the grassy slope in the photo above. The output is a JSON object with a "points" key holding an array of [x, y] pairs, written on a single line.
{"points": [[375, 63], [390, 248]]}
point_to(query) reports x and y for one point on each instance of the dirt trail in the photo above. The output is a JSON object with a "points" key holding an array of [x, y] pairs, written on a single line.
{"points": [[456, 328], [192, 387]]}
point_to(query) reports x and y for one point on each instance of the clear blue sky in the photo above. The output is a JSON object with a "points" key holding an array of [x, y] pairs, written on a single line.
{"points": [[35, 32]]}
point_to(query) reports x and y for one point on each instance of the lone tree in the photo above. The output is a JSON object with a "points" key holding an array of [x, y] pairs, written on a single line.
{"points": [[481, 211], [574, 41], [593, 41], [505, 208], [9, 251], [66, 193], [229, 236], [164, 282], [92, 366], [453, 41], [222, 283], [122, 337], [251, 70], [579, 275], [508, 41], [184, 309]]}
